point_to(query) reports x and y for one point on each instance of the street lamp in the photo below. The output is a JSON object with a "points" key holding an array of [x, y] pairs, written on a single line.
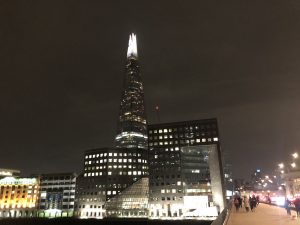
{"points": [[295, 155], [293, 165], [281, 165]]}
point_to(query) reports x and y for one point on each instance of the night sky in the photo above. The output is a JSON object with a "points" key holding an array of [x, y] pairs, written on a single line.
{"points": [[62, 65]]}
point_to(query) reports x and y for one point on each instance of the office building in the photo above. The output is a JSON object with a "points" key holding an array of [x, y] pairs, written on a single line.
{"points": [[18, 197], [185, 170], [56, 195]]}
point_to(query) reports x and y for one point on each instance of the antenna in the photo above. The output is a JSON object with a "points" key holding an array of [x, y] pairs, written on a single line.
{"points": [[157, 113]]}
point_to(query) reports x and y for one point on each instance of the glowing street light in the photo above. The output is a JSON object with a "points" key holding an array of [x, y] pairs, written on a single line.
{"points": [[281, 165], [295, 155], [293, 165]]}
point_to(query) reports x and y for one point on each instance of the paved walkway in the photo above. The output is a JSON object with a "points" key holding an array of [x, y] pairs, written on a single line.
{"points": [[263, 215]]}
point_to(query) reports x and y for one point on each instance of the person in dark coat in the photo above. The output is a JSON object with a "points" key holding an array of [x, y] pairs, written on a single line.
{"points": [[236, 203], [297, 206], [252, 203]]}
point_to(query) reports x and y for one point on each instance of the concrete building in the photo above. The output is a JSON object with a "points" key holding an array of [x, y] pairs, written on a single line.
{"points": [[18, 197], [185, 168], [56, 195]]}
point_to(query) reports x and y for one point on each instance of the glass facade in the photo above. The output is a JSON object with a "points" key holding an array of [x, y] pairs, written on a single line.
{"points": [[132, 202], [132, 127]]}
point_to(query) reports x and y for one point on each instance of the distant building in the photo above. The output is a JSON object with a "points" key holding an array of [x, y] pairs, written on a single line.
{"points": [[57, 195], [185, 167], [9, 173], [18, 197]]}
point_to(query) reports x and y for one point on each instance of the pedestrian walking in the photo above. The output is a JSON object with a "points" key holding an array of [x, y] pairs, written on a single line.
{"points": [[246, 203], [236, 204], [252, 203], [287, 206], [240, 201], [297, 206]]}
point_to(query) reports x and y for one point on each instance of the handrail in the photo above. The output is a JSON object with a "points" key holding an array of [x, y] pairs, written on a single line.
{"points": [[223, 217]]}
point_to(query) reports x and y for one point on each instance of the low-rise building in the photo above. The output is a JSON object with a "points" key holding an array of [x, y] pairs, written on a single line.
{"points": [[18, 197], [57, 195]]}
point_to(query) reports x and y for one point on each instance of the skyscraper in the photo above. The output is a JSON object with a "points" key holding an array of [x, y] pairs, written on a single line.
{"points": [[115, 182], [132, 128]]}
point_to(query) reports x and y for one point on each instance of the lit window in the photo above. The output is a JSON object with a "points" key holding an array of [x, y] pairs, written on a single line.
{"points": [[162, 191], [110, 154], [109, 173], [160, 131], [173, 190], [115, 154], [165, 130], [203, 140], [216, 139]]}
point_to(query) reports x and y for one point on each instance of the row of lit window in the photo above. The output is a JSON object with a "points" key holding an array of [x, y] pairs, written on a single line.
{"points": [[176, 136], [115, 167], [174, 198], [115, 160], [91, 206], [111, 154], [190, 128], [203, 140], [109, 173]]}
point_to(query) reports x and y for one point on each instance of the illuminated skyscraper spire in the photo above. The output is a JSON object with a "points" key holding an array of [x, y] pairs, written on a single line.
{"points": [[132, 46], [132, 127]]}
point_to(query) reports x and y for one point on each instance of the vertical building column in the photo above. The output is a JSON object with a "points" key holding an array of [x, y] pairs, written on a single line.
{"points": [[217, 177]]}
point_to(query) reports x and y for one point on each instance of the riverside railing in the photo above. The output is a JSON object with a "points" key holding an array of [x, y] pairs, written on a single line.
{"points": [[224, 215]]}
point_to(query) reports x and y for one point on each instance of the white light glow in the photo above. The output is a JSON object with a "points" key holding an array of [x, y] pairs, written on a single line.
{"points": [[281, 165], [295, 155], [132, 46]]}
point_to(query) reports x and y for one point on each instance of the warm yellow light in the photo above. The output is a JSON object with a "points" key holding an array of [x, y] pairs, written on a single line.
{"points": [[295, 155], [293, 165], [281, 165]]}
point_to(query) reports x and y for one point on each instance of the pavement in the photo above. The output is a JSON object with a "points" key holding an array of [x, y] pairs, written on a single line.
{"points": [[263, 215]]}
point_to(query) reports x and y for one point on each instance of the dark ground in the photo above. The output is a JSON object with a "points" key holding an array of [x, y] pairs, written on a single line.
{"points": [[99, 222]]}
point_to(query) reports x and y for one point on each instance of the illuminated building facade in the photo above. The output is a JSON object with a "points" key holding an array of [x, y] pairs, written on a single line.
{"points": [[185, 170], [57, 195], [9, 173], [110, 172], [132, 125], [18, 197]]}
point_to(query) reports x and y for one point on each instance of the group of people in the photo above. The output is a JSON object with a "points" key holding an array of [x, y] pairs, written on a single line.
{"points": [[249, 203], [289, 204]]}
